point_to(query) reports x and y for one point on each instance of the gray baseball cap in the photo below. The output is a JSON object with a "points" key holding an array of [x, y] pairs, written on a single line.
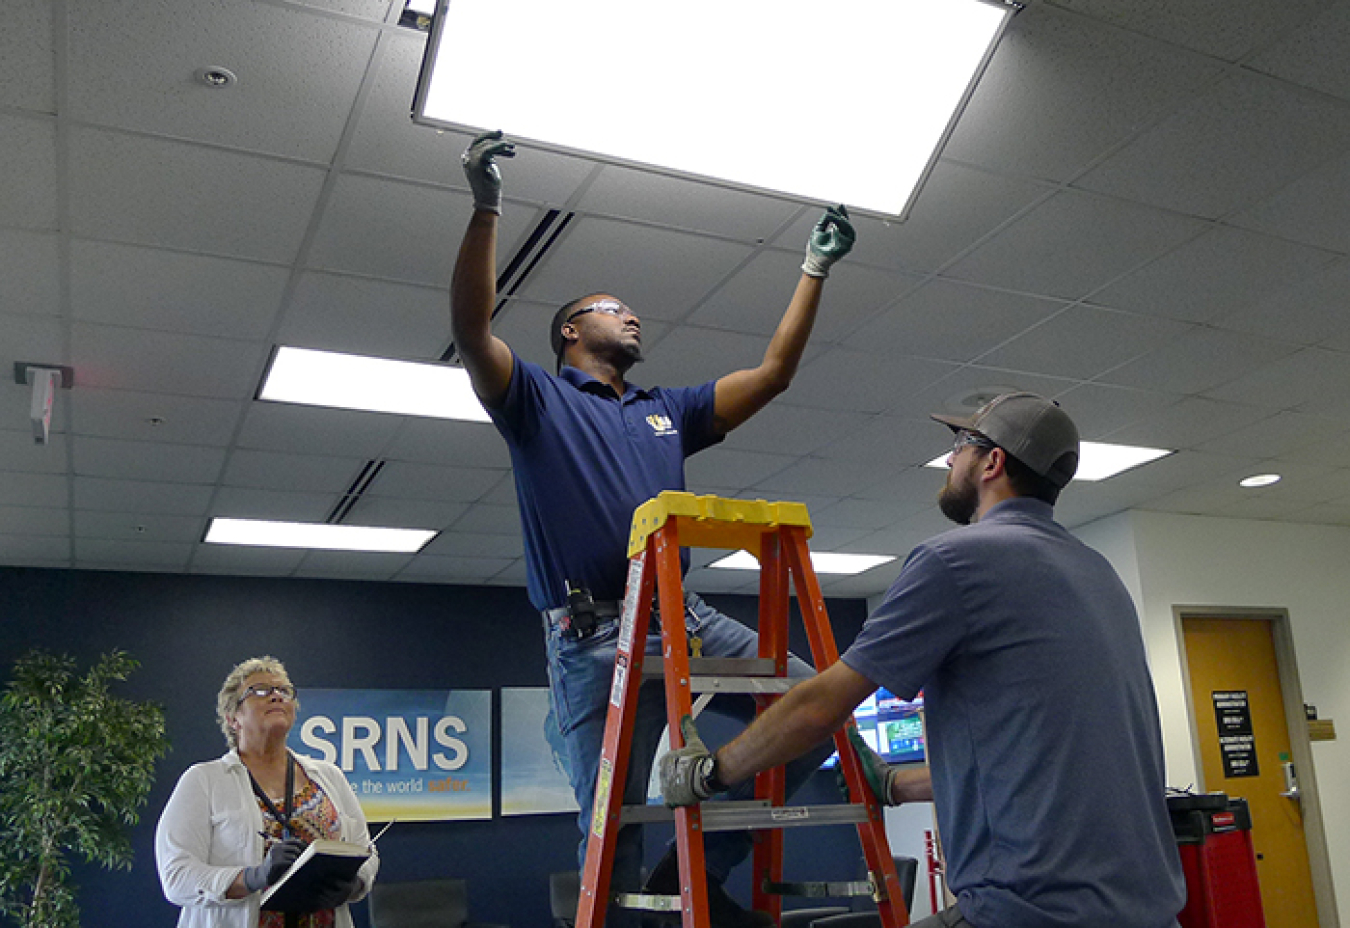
{"points": [[1030, 428]]}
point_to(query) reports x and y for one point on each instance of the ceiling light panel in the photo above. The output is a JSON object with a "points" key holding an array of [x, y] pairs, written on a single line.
{"points": [[823, 562], [349, 381], [1097, 460], [846, 102], [318, 535]]}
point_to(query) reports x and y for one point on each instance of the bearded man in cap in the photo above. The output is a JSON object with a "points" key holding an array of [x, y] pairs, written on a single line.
{"points": [[1044, 745]]}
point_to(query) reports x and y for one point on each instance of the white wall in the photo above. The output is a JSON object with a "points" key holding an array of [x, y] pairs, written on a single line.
{"points": [[1172, 560]]}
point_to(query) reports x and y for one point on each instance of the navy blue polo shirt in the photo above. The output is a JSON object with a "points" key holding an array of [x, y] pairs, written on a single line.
{"points": [[584, 459]]}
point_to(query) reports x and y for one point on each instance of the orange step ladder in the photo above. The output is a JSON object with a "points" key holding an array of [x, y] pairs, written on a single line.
{"points": [[776, 533]]}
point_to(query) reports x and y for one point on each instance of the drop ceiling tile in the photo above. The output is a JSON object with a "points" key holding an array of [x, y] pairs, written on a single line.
{"points": [[1227, 29], [153, 416], [426, 481], [658, 272], [682, 203], [688, 355], [819, 477], [1102, 409], [426, 568], [395, 230], [245, 560], [140, 496], [1189, 422], [317, 430], [488, 519], [45, 491], [26, 550], [103, 554], [27, 60], [1220, 272], [1048, 64], [369, 317], [145, 460], [386, 140], [162, 362], [1083, 341], [917, 484], [1298, 132], [1198, 361], [269, 470], [1311, 380], [1312, 209], [28, 183], [967, 388], [504, 493], [272, 505], [18, 452], [870, 514], [404, 513], [151, 288], [188, 197], [30, 520], [855, 381], [138, 527], [513, 574], [374, 10], [1281, 434], [728, 468], [1308, 312], [36, 339], [756, 297], [281, 56], [1312, 53], [30, 285], [448, 442], [476, 545], [889, 442], [352, 565], [952, 321], [1073, 244]]}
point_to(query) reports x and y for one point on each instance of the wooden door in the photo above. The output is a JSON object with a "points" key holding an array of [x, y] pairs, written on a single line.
{"points": [[1227, 658]]}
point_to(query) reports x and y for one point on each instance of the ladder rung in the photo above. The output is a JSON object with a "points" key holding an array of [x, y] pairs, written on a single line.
{"points": [[816, 890], [715, 667], [647, 902], [751, 814], [743, 684]]}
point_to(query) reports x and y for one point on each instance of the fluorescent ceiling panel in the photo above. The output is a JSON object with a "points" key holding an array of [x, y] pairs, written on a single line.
{"points": [[320, 535], [824, 562], [1097, 460], [841, 102], [350, 381]]}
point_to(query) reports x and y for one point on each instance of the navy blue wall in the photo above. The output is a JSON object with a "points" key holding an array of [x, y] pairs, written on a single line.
{"points": [[188, 631]]}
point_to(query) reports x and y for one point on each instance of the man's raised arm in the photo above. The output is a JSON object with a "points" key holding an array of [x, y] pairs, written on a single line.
{"points": [[473, 286], [743, 393]]}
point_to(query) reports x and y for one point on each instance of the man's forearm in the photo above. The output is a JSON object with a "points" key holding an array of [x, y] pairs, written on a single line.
{"points": [[794, 330], [473, 286]]}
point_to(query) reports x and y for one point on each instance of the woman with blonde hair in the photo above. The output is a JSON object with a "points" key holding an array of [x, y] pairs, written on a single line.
{"points": [[234, 825]]}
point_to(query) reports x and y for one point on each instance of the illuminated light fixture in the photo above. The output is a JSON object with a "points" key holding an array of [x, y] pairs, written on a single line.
{"points": [[351, 381], [1259, 480], [824, 562], [842, 102], [1097, 460], [320, 535]]}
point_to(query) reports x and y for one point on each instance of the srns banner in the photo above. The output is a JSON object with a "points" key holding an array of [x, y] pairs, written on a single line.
{"points": [[414, 755]]}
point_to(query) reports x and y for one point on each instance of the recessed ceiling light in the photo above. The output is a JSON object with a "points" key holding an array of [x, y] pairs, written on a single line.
{"points": [[320, 535], [216, 77], [824, 562], [351, 381], [667, 90], [1259, 480], [1097, 460]]}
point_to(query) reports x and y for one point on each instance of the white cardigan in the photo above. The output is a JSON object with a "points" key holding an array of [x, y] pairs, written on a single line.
{"points": [[211, 829]]}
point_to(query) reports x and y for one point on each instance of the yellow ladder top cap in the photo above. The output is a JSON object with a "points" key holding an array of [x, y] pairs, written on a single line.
{"points": [[709, 511]]}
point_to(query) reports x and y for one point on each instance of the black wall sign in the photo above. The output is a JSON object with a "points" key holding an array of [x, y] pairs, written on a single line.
{"points": [[1237, 743]]}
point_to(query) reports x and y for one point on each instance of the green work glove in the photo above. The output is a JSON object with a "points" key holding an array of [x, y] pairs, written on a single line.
{"points": [[831, 239], [480, 167], [876, 771], [687, 773]]}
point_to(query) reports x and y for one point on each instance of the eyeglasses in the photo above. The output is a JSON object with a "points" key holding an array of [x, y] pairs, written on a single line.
{"points": [[608, 307], [966, 437], [284, 690]]}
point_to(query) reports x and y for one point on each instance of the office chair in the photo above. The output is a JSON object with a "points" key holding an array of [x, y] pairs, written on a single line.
{"points": [[422, 904]]}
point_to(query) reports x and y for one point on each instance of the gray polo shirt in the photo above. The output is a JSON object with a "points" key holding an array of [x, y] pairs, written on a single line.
{"points": [[1043, 730]]}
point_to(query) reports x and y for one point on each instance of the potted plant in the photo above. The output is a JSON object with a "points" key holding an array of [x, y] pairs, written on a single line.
{"points": [[76, 763]]}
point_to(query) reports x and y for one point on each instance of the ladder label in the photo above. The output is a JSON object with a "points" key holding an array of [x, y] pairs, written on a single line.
{"points": [[789, 813], [604, 780], [630, 602], [620, 679]]}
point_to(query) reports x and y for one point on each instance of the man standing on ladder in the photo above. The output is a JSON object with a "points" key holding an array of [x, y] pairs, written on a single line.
{"points": [[587, 448], [1043, 734]]}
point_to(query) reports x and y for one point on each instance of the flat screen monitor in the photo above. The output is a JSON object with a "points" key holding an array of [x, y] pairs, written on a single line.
{"points": [[891, 726]]}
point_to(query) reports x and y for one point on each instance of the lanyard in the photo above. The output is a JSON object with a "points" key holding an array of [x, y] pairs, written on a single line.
{"points": [[284, 816]]}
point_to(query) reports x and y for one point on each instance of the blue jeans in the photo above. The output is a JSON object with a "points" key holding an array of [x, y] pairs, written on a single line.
{"points": [[580, 673]]}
